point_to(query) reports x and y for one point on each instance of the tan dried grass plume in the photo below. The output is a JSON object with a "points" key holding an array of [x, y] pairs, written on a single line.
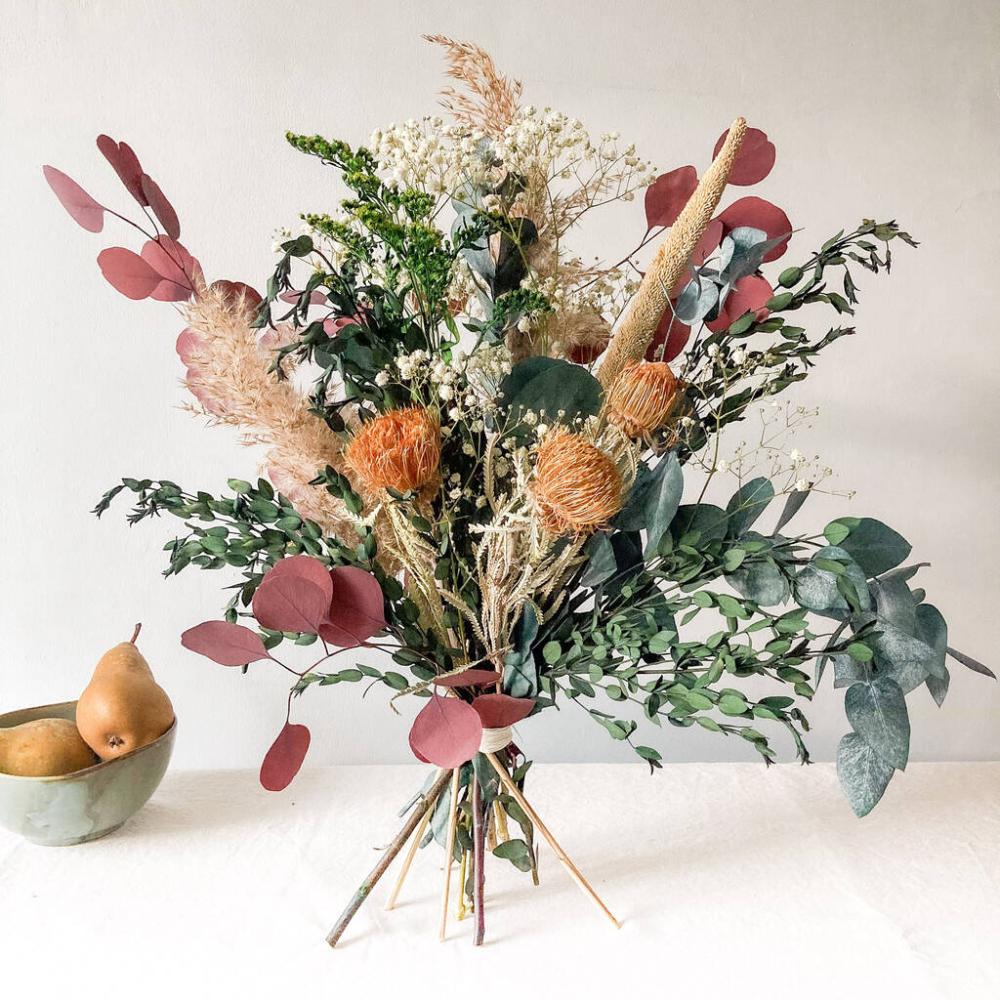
{"points": [[492, 99], [228, 369], [668, 266]]}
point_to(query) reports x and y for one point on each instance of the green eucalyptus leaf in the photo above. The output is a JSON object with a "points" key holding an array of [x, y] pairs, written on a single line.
{"points": [[747, 504], [520, 674], [517, 853], [874, 546], [550, 385], [817, 589], [877, 711], [863, 774]]}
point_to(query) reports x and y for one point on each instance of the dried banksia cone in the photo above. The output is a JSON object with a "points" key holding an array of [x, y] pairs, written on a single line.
{"points": [[668, 266], [577, 486], [642, 398], [399, 450]]}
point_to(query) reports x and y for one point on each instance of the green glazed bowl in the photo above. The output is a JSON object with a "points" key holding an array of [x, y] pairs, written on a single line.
{"points": [[74, 808]]}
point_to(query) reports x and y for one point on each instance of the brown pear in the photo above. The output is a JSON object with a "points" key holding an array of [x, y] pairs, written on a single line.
{"points": [[44, 748], [123, 708]]}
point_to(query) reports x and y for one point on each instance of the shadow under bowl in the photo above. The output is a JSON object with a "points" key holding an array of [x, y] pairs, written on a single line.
{"points": [[74, 808]]}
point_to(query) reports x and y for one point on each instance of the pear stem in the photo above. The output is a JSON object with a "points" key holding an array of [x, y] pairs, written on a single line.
{"points": [[135, 634]]}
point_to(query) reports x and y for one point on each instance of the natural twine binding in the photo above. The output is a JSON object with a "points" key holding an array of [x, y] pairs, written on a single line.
{"points": [[495, 739], [633, 337]]}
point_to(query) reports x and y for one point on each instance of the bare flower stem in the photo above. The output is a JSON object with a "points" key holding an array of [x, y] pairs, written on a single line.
{"points": [[479, 860], [364, 890]]}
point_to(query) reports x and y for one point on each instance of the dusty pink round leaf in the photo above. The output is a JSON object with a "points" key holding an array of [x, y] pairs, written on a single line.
{"points": [[292, 297], [162, 208], [668, 194], [759, 214], [306, 568], [81, 207], [499, 710], [226, 643], [446, 732], [179, 272], [126, 165], [468, 678], [357, 608], [187, 345], [750, 294], [290, 604], [754, 160], [128, 272], [283, 760]]}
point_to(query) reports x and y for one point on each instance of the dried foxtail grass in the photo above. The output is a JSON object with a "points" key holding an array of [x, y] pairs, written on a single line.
{"points": [[491, 100], [637, 328], [229, 369]]}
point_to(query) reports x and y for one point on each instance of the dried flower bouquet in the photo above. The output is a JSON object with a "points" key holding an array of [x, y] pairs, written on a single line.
{"points": [[449, 481]]}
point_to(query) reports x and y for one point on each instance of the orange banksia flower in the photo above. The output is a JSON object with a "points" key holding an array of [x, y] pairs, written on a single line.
{"points": [[577, 486], [643, 397], [400, 450]]}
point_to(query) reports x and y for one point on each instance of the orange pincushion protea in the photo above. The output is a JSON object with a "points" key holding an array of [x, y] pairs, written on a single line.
{"points": [[642, 398], [400, 450], [577, 486]]}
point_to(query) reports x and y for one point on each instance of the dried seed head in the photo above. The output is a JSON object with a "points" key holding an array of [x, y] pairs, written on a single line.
{"points": [[400, 450], [642, 398], [577, 486]]}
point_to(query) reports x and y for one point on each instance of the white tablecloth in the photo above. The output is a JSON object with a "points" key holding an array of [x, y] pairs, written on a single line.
{"points": [[731, 880]]}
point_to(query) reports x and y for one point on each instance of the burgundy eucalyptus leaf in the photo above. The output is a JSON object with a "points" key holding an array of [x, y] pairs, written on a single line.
{"points": [[126, 165], [754, 160], [290, 604], [446, 732], [82, 208], [238, 293], [668, 194], [283, 760], [357, 608], [128, 272], [671, 334], [750, 294], [759, 214], [468, 678], [499, 710], [226, 643], [162, 208]]}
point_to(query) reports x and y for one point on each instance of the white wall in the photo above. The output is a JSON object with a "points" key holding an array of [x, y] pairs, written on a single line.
{"points": [[877, 109]]}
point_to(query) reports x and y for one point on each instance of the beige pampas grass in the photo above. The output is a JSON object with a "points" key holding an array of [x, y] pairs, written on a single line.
{"points": [[636, 331], [228, 371], [492, 99]]}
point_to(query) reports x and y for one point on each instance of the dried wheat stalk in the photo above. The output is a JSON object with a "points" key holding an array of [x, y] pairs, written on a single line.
{"points": [[636, 330]]}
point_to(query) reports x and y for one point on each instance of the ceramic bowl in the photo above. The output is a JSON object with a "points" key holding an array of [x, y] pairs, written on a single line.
{"points": [[74, 808]]}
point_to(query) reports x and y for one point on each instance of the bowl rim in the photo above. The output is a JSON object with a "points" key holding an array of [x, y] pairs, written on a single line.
{"points": [[84, 770]]}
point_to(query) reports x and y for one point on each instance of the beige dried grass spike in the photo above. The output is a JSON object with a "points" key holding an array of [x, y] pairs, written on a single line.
{"points": [[633, 337], [492, 98], [229, 371]]}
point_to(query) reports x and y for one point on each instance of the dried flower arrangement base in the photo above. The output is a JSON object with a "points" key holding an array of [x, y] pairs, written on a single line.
{"points": [[488, 824]]}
